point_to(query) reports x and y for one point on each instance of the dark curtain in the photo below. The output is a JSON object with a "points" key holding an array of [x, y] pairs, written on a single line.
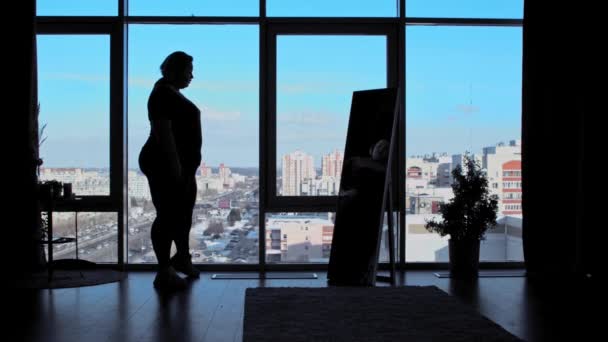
{"points": [[560, 82], [20, 231]]}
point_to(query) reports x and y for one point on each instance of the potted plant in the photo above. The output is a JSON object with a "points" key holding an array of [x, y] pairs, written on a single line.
{"points": [[42, 189], [466, 217]]}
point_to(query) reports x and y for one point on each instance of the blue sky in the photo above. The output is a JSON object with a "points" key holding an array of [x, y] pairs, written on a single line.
{"points": [[463, 83], [320, 8]]}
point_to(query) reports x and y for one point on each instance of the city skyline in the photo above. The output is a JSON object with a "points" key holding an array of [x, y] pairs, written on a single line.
{"points": [[318, 166], [288, 236]]}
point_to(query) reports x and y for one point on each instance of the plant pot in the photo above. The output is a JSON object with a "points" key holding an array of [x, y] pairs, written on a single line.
{"points": [[464, 258], [49, 190]]}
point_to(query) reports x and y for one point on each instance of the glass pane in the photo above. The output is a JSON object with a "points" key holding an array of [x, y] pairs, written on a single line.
{"points": [[97, 236], [74, 119], [383, 255], [299, 237], [77, 7], [463, 94], [195, 7], [225, 89], [316, 76], [332, 8], [501, 9]]}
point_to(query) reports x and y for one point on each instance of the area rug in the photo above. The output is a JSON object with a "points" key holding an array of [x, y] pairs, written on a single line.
{"points": [[68, 278], [412, 313]]}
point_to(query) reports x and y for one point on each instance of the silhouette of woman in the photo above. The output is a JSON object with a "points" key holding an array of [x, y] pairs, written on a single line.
{"points": [[169, 159]]}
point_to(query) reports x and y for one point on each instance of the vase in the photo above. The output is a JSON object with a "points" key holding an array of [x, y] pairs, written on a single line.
{"points": [[464, 258]]}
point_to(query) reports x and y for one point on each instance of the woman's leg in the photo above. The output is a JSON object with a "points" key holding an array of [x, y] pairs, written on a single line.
{"points": [[161, 228], [182, 261], [182, 231], [163, 194]]}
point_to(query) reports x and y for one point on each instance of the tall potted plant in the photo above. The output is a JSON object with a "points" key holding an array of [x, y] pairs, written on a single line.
{"points": [[38, 260], [466, 217]]}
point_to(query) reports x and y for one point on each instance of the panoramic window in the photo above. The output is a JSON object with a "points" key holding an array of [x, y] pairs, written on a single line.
{"points": [[74, 119], [77, 7], [199, 8], [225, 88], [307, 237], [299, 237], [96, 233], [463, 95], [502, 9], [332, 8], [316, 76]]}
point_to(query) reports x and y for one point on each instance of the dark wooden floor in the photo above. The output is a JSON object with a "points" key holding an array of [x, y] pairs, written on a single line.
{"points": [[212, 310]]}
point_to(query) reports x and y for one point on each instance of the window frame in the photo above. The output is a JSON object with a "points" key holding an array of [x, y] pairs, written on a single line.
{"points": [[269, 28], [116, 200], [278, 203]]}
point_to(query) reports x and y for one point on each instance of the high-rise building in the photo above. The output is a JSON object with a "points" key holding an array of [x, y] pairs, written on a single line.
{"points": [[331, 165], [297, 167], [503, 165], [205, 170], [299, 238], [434, 169], [224, 173]]}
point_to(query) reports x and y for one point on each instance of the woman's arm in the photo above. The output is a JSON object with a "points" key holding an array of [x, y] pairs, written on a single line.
{"points": [[163, 134]]}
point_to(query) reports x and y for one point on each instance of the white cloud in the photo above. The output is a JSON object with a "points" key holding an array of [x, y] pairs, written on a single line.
{"points": [[141, 82], [225, 86], [305, 118], [316, 87], [75, 77], [211, 86], [212, 114], [311, 138]]}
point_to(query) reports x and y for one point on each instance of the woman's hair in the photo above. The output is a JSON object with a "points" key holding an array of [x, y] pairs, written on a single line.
{"points": [[175, 62]]}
